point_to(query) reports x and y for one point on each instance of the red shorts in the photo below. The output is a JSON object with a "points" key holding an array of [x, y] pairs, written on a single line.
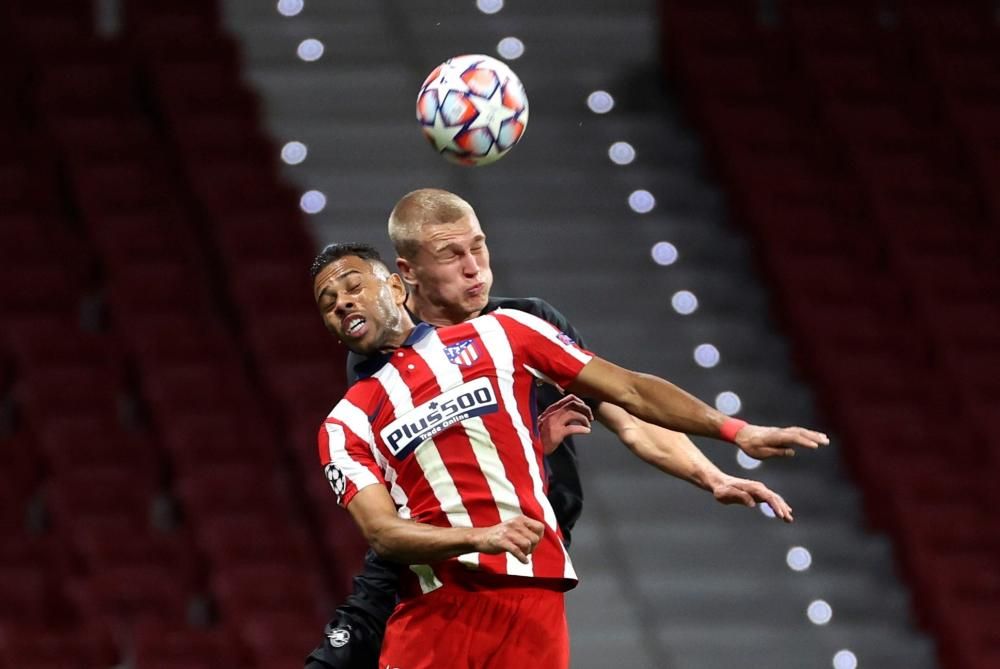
{"points": [[455, 628]]}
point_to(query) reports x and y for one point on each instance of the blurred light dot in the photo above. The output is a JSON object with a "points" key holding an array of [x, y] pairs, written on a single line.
{"points": [[600, 102], [766, 509], [684, 302], [641, 201], [664, 253], [819, 612], [312, 202], [510, 48], [621, 153], [489, 6], [310, 50], [746, 461], [290, 7], [728, 402], [706, 355], [294, 153], [845, 659], [799, 558]]}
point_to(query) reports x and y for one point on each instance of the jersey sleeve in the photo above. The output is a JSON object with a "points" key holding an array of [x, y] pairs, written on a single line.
{"points": [[345, 452], [542, 348]]}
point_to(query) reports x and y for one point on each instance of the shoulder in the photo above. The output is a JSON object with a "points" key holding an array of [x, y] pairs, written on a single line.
{"points": [[535, 306]]}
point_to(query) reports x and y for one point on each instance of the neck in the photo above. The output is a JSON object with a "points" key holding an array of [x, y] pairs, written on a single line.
{"points": [[397, 333], [435, 314]]}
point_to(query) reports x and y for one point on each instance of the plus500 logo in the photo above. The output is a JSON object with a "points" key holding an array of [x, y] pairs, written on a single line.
{"points": [[403, 435]]}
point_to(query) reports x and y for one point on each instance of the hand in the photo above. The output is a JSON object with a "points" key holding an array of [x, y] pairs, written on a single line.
{"points": [[731, 490], [566, 417], [518, 536], [766, 442]]}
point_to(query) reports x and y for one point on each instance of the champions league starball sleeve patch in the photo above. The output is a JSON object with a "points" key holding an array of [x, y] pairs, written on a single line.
{"points": [[337, 480]]}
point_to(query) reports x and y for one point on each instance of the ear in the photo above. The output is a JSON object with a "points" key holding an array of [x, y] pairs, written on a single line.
{"points": [[398, 289], [406, 271]]}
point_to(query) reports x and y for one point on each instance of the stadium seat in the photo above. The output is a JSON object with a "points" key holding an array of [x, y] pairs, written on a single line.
{"points": [[174, 645], [68, 443], [239, 538], [26, 595], [235, 488], [112, 493], [196, 443], [204, 388], [252, 589], [73, 390], [64, 645], [122, 596]]}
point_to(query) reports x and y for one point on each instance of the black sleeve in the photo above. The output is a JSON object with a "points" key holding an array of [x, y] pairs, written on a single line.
{"points": [[353, 638]]}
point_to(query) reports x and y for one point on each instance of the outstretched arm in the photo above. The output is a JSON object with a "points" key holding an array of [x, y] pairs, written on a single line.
{"points": [[409, 542], [660, 402], [675, 454]]}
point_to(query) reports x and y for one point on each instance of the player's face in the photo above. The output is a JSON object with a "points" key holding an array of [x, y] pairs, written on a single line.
{"points": [[452, 268], [361, 304]]}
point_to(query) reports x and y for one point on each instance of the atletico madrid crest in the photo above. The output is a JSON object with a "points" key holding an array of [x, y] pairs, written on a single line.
{"points": [[463, 354]]}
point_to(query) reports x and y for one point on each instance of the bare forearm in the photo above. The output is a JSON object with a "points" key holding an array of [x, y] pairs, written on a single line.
{"points": [[410, 542], [671, 452], [675, 454]]}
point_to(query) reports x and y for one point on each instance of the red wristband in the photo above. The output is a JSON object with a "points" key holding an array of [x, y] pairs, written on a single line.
{"points": [[730, 427]]}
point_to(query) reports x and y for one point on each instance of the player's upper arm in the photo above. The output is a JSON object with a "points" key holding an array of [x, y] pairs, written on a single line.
{"points": [[345, 450], [605, 381], [540, 346], [372, 508]]}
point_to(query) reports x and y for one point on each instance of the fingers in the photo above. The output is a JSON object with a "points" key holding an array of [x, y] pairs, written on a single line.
{"points": [[780, 507], [521, 536], [569, 402]]}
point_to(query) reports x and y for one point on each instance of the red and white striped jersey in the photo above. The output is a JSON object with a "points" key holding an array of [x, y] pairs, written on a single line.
{"points": [[447, 424]]}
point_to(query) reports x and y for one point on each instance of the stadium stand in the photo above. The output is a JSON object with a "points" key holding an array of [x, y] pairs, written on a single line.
{"points": [[145, 508], [857, 142]]}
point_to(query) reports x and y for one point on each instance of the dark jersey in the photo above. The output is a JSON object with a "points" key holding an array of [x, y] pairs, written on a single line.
{"points": [[354, 635]]}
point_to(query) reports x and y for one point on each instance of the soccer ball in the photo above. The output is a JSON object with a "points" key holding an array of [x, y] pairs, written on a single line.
{"points": [[472, 109]]}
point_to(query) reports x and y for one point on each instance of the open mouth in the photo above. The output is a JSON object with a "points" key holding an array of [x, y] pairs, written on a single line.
{"points": [[354, 325]]}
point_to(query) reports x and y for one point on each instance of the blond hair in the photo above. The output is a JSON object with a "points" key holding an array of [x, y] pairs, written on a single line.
{"points": [[427, 206]]}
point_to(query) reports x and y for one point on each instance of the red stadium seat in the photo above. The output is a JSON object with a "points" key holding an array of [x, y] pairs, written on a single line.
{"points": [[111, 493], [45, 342], [246, 487], [248, 590], [123, 596], [103, 138], [101, 544], [159, 238], [64, 645], [174, 645], [157, 287], [276, 640], [270, 236], [66, 442], [198, 442], [88, 89], [237, 538], [261, 290], [123, 187], [234, 186], [193, 389], [26, 595], [77, 390], [177, 338]]}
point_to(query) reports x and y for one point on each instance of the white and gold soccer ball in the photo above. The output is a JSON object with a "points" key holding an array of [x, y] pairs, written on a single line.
{"points": [[472, 109]]}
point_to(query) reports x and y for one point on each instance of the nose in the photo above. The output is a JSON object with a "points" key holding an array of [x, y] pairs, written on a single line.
{"points": [[470, 266], [344, 304]]}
